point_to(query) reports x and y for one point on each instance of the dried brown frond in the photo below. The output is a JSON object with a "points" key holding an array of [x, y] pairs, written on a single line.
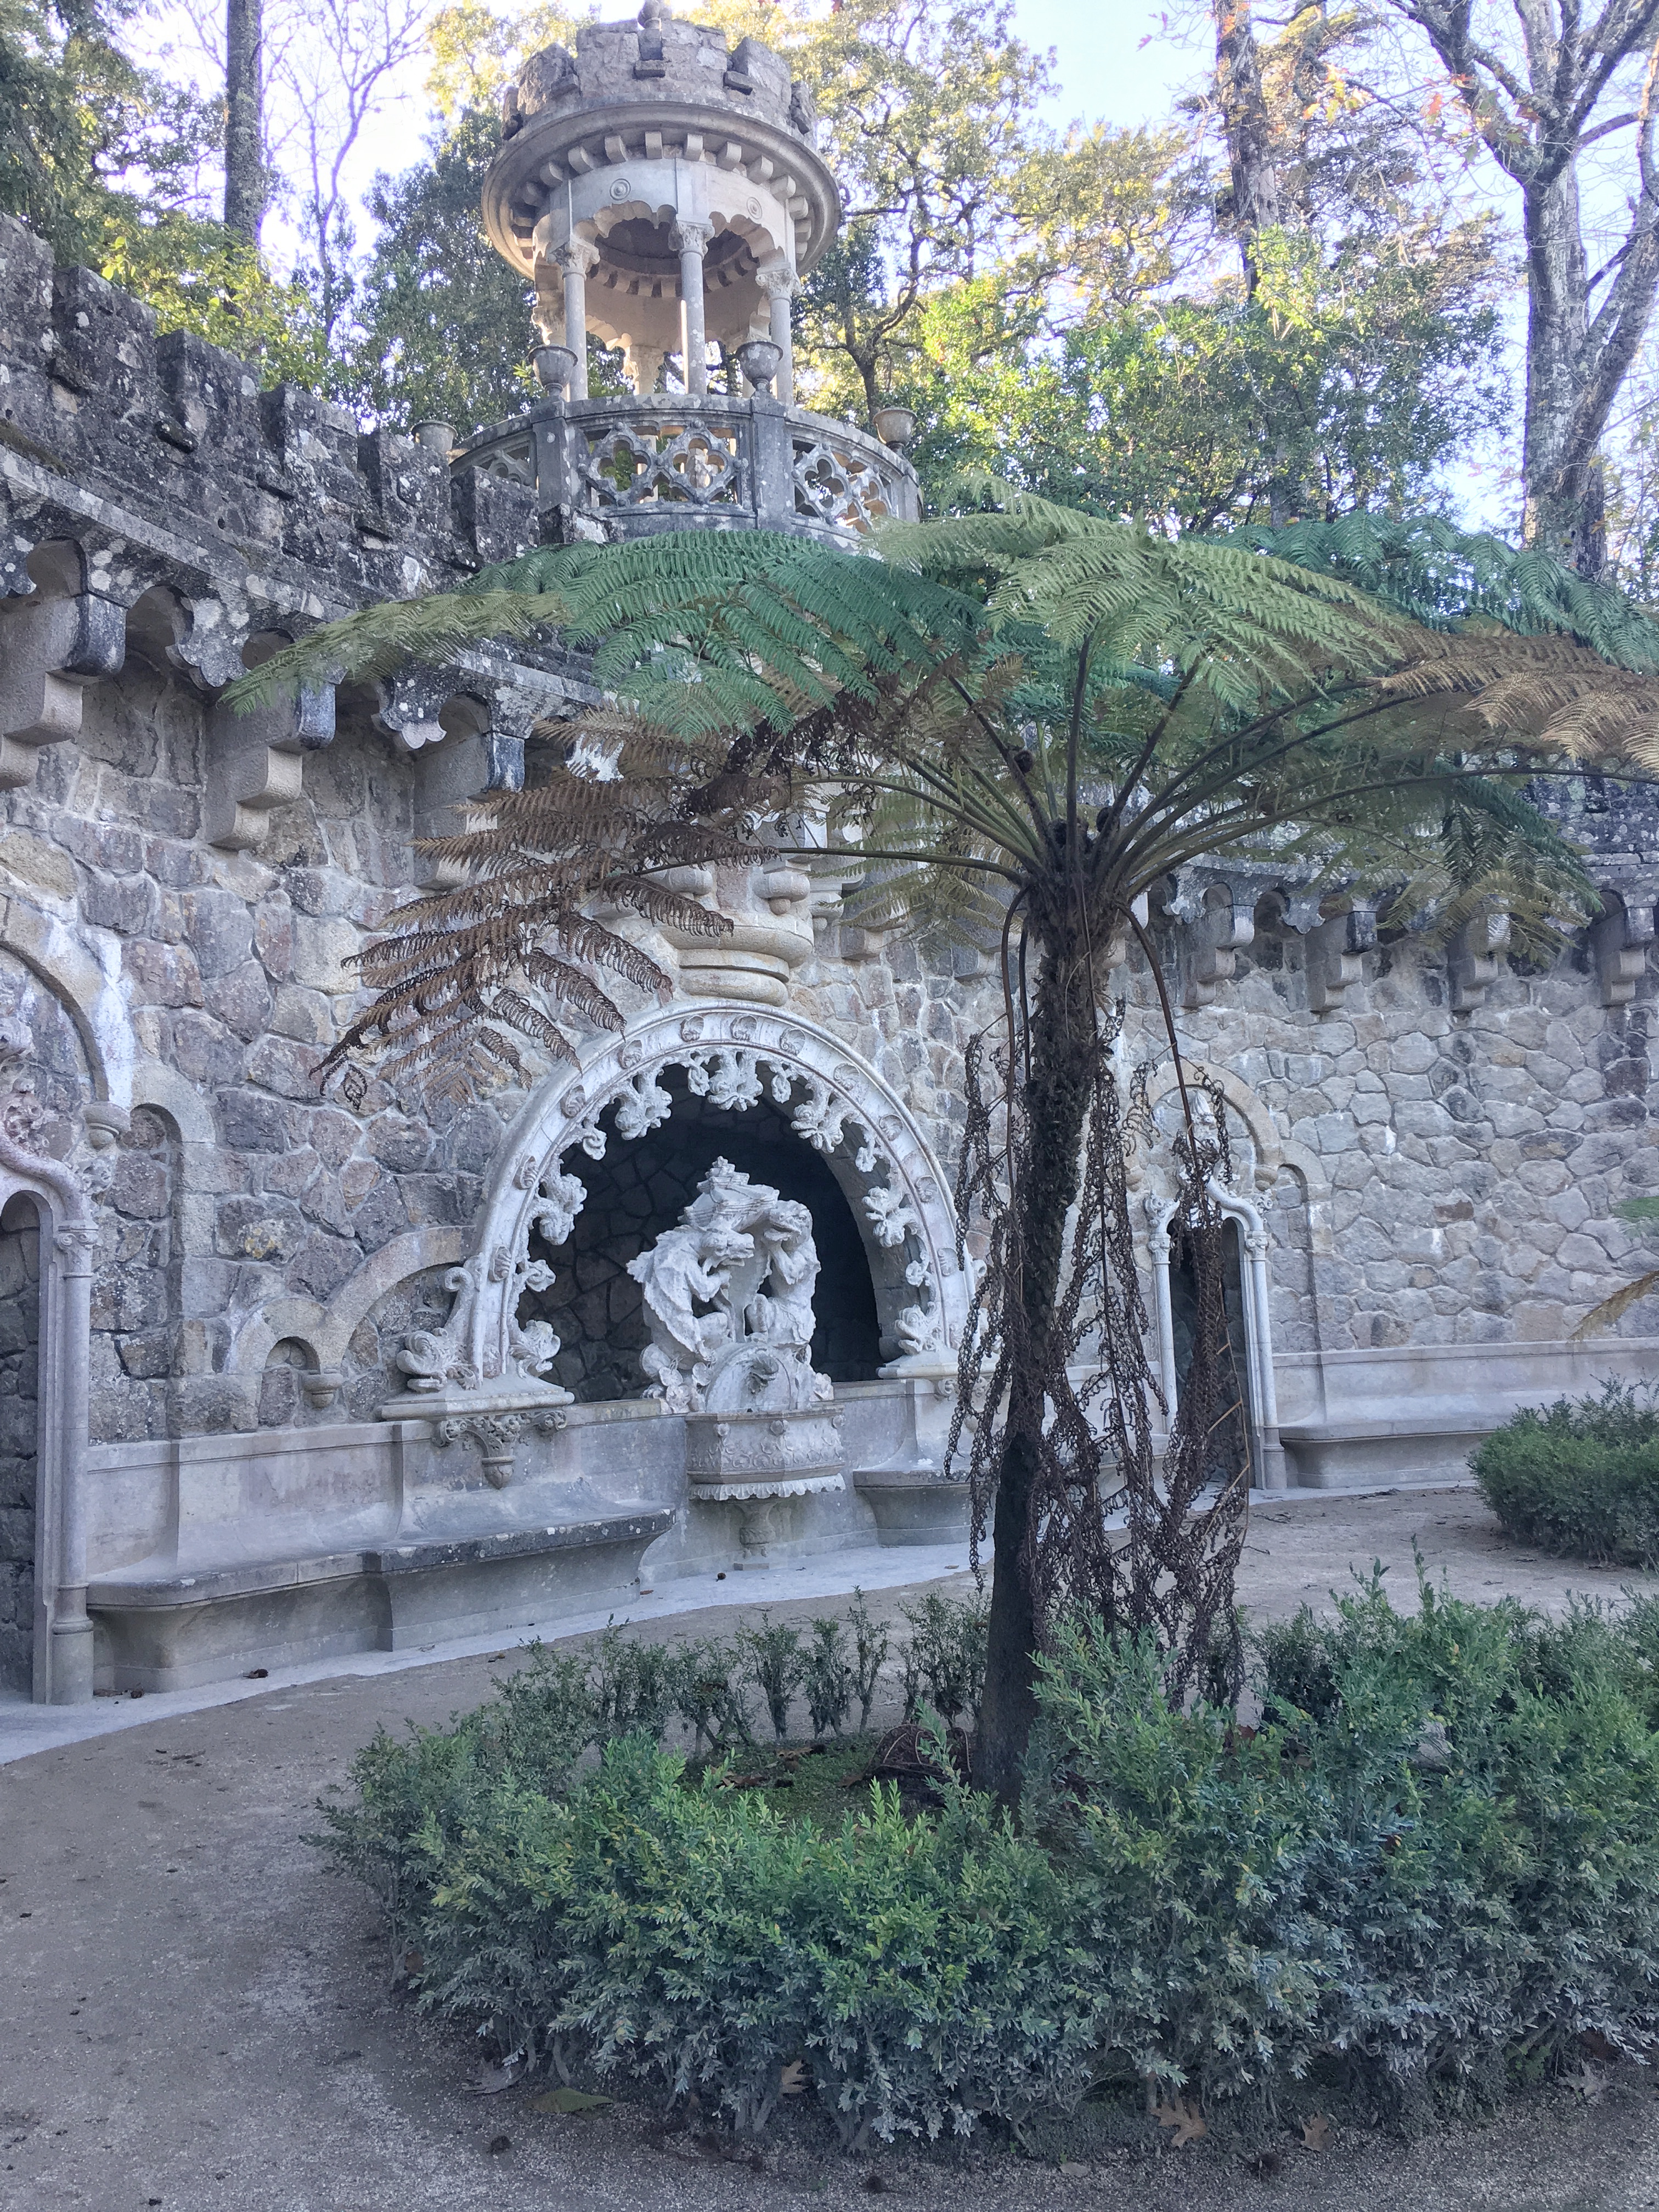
{"points": [[1611, 1310], [1549, 689]]}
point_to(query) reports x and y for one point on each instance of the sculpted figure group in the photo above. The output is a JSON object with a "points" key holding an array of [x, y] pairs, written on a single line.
{"points": [[745, 1256]]}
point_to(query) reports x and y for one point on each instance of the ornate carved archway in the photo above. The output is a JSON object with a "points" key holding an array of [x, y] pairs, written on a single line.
{"points": [[732, 1056]]}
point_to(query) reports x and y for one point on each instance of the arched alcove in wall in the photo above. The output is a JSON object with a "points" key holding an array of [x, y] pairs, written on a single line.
{"points": [[641, 1188], [732, 1057], [20, 1409]]}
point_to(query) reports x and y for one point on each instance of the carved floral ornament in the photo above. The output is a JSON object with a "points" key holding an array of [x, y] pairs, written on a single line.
{"points": [[732, 1058], [24, 1119]]}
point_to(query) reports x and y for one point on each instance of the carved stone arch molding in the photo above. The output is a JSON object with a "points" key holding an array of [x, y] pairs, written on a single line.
{"points": [[1265, 1139], [732, 1056]]}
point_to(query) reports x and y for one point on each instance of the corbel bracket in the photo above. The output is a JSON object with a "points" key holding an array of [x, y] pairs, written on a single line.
{"points": [[1619, 939], [1215, 938], [48, 655], [1473, 962], [256, 761], [1335, 955]]}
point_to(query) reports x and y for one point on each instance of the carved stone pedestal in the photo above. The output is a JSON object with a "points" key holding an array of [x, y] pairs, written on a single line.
{"points": [[753, 1459]]}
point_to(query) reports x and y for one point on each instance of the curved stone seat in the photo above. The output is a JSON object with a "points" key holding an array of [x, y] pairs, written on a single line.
{"points": [[164, 1626], [913, 1505]]}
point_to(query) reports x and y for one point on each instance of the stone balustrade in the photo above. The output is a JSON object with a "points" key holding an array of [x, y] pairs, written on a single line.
{"points": [[623, 466]]}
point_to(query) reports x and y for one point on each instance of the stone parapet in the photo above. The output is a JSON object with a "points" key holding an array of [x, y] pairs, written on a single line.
{"points": [[165, 462]]}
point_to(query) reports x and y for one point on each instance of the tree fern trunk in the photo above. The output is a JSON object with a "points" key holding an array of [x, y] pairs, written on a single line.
{"points": [[1057, 1100]]}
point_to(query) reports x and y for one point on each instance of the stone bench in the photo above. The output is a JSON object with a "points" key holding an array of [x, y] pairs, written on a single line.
{"points": [[168, 1627], [1359, 1454]]}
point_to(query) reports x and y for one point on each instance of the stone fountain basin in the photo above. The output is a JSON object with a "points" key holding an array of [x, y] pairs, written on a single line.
{"points": [[779, 1452]]}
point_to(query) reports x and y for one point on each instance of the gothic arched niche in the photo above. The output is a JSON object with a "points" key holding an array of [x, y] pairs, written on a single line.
{"points": [[20, 1362], [640, 1189]]}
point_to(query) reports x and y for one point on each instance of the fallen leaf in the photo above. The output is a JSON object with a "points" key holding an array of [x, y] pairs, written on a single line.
{"points": [[1588, 2083], [1185, 2118], [495, 2078], [793, 2080], [1317, 2132], [258, 1673], [568, 2100], [1079, 2173]]}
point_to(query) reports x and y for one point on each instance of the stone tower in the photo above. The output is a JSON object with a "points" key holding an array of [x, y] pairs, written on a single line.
{"points": [[665, 194]]}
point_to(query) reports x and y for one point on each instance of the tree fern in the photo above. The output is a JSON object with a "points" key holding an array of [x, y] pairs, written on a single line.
{"points": [[1022, 723]]}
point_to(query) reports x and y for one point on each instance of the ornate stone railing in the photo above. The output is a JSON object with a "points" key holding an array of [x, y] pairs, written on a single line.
{"points": [[621, 466]]}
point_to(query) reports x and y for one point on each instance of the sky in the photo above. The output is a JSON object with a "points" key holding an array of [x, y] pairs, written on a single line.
{"points": [[1111, 59]]}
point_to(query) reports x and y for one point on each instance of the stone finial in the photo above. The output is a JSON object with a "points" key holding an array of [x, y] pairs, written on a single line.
{"points": [[652, 14]]}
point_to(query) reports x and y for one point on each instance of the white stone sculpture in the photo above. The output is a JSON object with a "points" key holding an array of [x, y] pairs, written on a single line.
{"points": [[746, 1254]]}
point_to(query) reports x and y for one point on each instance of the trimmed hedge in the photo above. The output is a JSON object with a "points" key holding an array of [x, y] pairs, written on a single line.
{"points": [[1579, 1478], [1433, 1867]]}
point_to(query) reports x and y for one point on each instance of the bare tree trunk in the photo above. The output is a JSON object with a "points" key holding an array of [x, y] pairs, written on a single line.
{"points": [[244, 166], [1554, 480], [1258, 188], [1259, 194], [1578, 353]]}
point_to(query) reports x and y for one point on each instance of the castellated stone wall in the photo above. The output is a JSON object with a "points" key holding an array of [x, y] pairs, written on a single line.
{"points": [[1474, 1160], [1436, 1137]]}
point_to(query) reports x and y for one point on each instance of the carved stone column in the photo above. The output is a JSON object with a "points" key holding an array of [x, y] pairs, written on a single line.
{"points": [[781, 286], [68, 1242], [578, 259], [691, 241], [75, 1244]]}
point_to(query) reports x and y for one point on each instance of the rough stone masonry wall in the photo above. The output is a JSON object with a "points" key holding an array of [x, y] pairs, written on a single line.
{"points": [[1474, 1159]]}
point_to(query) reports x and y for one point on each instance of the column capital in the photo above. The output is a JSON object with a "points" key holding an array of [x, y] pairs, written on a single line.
{"points": [[575, 256], [691, 237], [779, 283]]}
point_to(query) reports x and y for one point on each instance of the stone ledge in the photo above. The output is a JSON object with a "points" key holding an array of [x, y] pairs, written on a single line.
{"points": [[141, 1585]]}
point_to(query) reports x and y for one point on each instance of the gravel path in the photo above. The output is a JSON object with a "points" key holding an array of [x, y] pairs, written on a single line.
{"points": [[197, 2014]]}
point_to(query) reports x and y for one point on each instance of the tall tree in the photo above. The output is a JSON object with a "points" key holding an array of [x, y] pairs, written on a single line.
{"points": [[1537, 94], [1126, 703], [88, 141], [244, 109], [1257, 195]]}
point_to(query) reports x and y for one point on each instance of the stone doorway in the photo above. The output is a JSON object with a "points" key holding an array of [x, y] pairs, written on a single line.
{"points": [[1234, 1439], [20, 1397], [641, 1188]]}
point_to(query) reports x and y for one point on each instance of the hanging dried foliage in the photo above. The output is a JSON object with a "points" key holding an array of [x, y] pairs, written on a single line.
{"points": [[1148, 1544]]}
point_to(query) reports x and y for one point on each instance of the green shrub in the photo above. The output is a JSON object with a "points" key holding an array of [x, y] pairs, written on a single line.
{"points": [[829, 1677], [1580, 1477], [870, 1649], [945, 1657], [1432, 1869], [779, 1667]]}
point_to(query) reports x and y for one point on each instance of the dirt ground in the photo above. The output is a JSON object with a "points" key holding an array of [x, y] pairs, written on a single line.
{"points": [[199, 2015]]}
